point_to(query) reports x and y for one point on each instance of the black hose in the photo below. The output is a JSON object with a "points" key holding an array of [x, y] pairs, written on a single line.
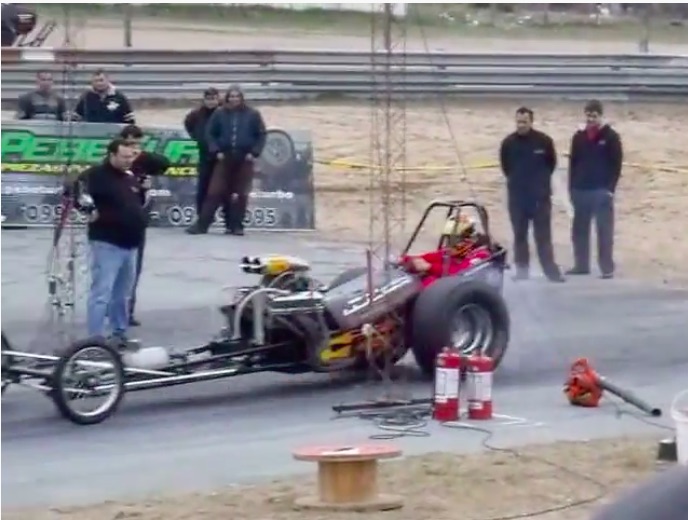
{"points": [[629, 397]]}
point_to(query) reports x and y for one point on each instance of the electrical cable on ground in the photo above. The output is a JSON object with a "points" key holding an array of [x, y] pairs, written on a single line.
{"points": [[412, 421], [402, 421], [601, 488]]}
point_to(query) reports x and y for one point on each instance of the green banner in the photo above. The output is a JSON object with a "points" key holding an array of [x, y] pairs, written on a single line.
{"points": [[35, 155], [24, 151]]}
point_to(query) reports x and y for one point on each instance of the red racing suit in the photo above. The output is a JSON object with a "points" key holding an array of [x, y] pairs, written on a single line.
{"points": [[459, 260]]}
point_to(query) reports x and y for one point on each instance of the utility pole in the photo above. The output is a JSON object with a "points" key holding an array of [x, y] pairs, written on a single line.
{"points": [[128, 16], [67, 41], [644, 43]]}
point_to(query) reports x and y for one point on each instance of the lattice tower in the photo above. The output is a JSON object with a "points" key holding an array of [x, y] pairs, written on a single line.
{"points": [[387, 133]]}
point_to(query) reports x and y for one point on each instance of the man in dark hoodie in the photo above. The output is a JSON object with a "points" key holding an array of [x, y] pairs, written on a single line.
{"points": [[103, 103], [196, 124], [595, 163], [528, 160], [144, 166], [236, 136]]}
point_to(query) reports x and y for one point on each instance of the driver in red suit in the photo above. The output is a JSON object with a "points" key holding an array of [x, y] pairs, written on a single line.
{"points": [[461, 247]]}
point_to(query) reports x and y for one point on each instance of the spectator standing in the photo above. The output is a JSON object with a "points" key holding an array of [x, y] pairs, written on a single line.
{"points": [[595, 164], [43, 103], [196, 125], [528, 159], [115, 232], [145, 166], [236, 136], [103, 103]]}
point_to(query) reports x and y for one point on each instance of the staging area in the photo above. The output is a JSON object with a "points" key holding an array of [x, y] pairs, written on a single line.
{"points": [[633, 331]]}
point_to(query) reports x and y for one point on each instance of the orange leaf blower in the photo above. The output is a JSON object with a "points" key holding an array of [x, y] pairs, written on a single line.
{"points": [[584, 387]]}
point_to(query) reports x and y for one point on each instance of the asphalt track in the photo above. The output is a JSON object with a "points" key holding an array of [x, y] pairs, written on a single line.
{"points": [[241, 430]]}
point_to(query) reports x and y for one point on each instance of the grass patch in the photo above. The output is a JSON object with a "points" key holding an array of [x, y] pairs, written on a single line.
{"points": [[441, 485]]}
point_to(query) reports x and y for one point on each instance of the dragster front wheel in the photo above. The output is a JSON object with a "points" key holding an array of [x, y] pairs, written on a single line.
{"points": [[88, 382]]}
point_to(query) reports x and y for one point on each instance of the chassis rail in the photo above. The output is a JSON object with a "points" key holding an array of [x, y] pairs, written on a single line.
{"points": [[69, 378]]}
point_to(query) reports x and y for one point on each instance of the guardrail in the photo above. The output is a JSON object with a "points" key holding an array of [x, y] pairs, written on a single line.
{"points": [[276, 75]]}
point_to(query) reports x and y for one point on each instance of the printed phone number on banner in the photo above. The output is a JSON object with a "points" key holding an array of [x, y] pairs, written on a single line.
{"points": [[49, 214], [186, 215]]}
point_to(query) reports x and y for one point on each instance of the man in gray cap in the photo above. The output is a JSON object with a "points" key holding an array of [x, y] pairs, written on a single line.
{"points": [[236, 136]]}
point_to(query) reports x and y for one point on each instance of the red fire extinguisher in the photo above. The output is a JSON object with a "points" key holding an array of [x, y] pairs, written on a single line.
{"points": [[479, 370], [447, 380]]}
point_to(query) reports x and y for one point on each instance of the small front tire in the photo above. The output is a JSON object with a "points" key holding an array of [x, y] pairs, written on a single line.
{"points": [[101, 373]]}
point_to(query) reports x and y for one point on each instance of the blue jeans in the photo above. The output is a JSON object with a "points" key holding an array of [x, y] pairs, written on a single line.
{"points": [[113, 271]]}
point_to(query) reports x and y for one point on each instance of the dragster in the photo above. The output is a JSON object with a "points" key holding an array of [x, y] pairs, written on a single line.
{"points": [[289, 322]]}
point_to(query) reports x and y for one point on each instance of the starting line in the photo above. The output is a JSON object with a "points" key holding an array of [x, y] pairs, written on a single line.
{"points": [[498, 420]]}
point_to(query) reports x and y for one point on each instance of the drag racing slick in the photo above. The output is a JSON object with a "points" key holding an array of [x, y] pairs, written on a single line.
{"points": [[103, 103], [43, 103], [461, 247], [145, 166], [236, 135], [528, 160]]}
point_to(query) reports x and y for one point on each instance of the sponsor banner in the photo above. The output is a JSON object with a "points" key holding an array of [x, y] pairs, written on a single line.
{"points": [[37, 154]]}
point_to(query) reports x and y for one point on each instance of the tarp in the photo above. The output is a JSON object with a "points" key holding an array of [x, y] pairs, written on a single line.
{"points": [[35, 155]]}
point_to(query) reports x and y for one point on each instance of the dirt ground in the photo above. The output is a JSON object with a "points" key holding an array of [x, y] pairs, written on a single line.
{"points": [[439, 486], [652, 196]]}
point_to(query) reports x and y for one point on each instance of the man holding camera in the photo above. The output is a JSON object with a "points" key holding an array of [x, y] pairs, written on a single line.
{"points": [[144, 166], [115, 232]]}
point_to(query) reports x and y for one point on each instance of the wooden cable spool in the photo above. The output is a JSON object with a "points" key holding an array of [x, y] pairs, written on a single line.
{"points": [[348, 478]]}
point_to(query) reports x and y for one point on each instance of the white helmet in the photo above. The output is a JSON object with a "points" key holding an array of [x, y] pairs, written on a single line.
{"points": [[464, 227]]}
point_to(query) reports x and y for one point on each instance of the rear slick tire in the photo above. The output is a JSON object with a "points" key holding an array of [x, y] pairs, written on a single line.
{"points": [[479, 308]]}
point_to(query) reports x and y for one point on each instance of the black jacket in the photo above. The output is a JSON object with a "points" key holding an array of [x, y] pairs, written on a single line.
{"points": [[111, 107], [236, 132], [149, 164], [196, 124], [37, 105], [116, 195], [595, 164], [528, 162]]}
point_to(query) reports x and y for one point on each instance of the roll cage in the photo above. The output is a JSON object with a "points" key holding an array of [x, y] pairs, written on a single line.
{"points": [[453, 209]]}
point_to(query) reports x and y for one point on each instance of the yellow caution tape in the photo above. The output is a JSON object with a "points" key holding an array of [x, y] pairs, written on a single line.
{"points": [[349, 164]]}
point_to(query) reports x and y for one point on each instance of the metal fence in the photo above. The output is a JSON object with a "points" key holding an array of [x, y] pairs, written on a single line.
{"points": [[272, 75]]}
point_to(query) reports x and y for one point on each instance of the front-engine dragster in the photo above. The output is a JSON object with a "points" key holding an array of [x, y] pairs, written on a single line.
{"points": [[289, 322]]}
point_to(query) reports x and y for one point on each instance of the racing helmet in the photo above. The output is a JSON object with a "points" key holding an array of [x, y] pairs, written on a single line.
{"points": [[460, 227]]}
